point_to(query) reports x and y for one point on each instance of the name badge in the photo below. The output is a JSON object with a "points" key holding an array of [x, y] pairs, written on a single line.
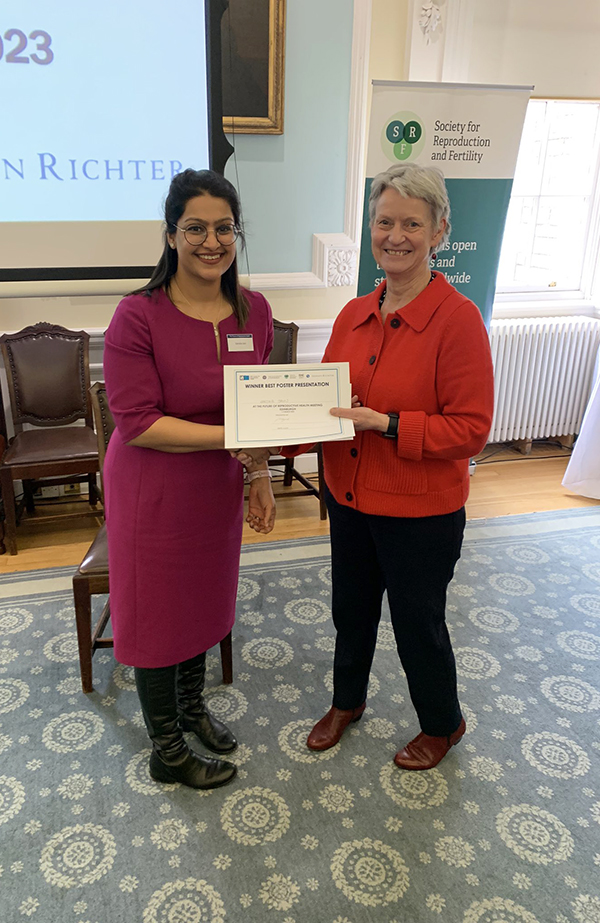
{"points": [[240, 343]]}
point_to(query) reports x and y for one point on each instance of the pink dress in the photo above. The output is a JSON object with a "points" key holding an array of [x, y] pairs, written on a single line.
{"points": [[174, 521]]}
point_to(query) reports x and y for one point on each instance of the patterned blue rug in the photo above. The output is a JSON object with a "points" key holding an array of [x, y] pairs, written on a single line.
{"points": [[506, 830]]}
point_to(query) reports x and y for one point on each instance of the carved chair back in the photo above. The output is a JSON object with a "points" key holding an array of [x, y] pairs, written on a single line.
{"points": [[47, 367]]}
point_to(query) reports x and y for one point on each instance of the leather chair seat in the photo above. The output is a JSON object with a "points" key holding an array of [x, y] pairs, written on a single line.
{"points": [[39, 446], [96, 558]]}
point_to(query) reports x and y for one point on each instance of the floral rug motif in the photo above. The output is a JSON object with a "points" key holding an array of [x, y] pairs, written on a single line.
{"points": [[505, 830]]}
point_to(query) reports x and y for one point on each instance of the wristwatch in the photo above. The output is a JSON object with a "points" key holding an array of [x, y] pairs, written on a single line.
{"points": [[392, 430]]}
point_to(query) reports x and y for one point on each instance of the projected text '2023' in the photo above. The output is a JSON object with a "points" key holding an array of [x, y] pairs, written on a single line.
{"points": [[18, 48]]}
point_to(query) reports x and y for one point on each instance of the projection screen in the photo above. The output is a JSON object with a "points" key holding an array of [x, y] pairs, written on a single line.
{"points": [[102, 104]]}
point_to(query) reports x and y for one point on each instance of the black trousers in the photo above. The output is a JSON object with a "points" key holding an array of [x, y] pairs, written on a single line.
{"points": [[414, 560]]}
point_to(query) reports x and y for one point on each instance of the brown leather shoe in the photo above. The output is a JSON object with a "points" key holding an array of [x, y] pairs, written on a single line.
{"points": [[328, 731], [425, 752]]}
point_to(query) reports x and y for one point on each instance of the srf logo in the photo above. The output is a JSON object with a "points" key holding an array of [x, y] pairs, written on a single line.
{"points": [[403, 137]]}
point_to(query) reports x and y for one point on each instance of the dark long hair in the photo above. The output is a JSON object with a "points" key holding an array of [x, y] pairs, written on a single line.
{"points": [[185, 186]]}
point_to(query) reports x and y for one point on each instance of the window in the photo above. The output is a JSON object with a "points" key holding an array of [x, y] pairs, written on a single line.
{"points": [[549, 227]]}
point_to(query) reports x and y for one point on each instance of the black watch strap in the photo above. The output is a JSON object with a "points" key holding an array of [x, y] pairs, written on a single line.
{"points": [[392, 430]]}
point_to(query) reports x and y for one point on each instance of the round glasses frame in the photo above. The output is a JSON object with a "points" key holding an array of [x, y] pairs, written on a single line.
{"points": [[226, 240]]}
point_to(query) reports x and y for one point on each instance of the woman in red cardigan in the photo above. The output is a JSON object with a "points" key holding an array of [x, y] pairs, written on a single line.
{"points": [[422, 378], [421, 374]]}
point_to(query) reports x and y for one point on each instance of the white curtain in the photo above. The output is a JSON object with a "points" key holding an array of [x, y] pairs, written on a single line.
{"points": [[583, 471]]}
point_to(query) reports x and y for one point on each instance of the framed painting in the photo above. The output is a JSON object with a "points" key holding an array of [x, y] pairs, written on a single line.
{"points": [[253, 60]]}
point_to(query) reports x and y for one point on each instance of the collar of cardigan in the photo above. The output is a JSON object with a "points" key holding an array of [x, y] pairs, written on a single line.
{"points": [[417, 313]]}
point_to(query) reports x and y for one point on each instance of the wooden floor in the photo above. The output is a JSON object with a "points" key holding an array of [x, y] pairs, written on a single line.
{"points": [[504, 483]]}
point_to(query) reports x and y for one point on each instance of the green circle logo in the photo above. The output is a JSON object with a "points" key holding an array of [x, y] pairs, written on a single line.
{"points": [[412, 132], [402, 150], [395, 131], [403, 137]]}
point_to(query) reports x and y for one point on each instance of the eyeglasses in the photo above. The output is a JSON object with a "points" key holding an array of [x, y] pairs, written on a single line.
{"points": [[196, 234]]}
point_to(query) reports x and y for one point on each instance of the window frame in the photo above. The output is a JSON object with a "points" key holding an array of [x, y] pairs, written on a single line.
{"points": [[533, 302]]}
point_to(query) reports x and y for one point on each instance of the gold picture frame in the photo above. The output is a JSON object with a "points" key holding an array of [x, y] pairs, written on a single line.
{"points": [[262, 115]]}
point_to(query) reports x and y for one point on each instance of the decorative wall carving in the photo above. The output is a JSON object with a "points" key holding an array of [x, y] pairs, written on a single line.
{"points": [[341, 266], [430, 20]]}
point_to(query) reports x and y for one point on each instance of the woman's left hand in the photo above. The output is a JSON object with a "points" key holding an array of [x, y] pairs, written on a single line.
{"points": [[363, 417], [251, 457], [261, 506]]}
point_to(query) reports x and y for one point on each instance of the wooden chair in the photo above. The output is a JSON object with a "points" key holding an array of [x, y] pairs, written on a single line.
{"points": [[285, 343], [47, 368], [91, 577], [2, 448]]}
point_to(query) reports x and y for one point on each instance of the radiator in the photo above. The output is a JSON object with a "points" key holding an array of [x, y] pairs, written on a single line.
{"points": [[543, 373]]}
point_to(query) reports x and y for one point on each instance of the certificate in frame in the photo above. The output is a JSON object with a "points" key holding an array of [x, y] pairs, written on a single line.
{"points": [[273, 405]]}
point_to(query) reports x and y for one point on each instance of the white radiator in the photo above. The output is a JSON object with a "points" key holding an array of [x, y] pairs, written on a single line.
{"points": [[543, 371]]}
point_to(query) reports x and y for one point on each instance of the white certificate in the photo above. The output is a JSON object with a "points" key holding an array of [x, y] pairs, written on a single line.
{"points": [[269, 405]]}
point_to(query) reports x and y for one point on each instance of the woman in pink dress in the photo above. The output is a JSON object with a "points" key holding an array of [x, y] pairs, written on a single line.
{"points": [[174, 495]]}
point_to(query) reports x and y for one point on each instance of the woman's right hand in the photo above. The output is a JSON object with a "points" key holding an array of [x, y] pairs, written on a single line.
{"points": [[363, 417], [261, 506]]}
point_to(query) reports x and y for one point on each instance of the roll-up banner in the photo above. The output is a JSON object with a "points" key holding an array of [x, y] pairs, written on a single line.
{"points": [[472, 134]]}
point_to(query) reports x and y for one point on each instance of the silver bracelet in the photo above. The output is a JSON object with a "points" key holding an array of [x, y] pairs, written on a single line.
{"points": [[252, 475]]}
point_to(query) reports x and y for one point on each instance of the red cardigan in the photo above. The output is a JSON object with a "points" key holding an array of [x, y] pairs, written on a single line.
{"points": [[431, 363]]}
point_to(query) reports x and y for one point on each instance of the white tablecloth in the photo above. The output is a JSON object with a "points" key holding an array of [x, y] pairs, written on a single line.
{"points": [[583, 471]]}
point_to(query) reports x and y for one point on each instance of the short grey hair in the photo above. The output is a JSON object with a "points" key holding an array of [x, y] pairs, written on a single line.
{"points": [[415, 182]]}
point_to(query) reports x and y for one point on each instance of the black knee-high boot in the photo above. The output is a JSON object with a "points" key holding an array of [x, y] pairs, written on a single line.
{"points": [[194, 714], [171, 759]]}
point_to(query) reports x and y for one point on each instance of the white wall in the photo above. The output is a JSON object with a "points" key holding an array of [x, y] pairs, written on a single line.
{"points": [[552, 44], [389, 23]]}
